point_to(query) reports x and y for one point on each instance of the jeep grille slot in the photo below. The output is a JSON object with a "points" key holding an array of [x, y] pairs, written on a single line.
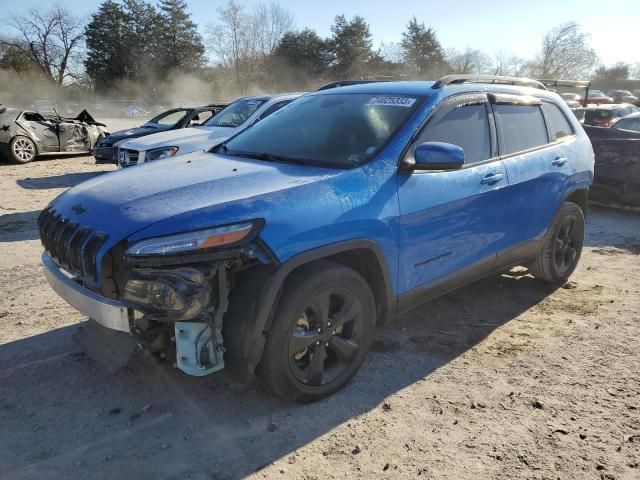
{"points": [[72, 246], [89, 254]]}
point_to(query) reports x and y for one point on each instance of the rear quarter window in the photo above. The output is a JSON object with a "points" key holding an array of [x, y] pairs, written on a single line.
{"points": [[557, 123], [520, 127]]}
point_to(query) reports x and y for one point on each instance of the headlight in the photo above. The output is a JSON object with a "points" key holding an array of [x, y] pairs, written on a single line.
{"points": [[176, 294], [192, 241], [160, 153]]}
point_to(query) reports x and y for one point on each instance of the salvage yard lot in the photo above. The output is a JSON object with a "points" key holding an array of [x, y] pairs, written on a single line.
{"points": [[507, 378]]}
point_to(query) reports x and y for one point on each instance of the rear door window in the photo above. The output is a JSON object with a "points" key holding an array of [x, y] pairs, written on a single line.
{"points": [[520, 127], [557, 123], [466, 126]]}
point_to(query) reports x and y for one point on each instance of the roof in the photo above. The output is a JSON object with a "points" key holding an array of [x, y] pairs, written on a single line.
{"points": [[423, 88]]}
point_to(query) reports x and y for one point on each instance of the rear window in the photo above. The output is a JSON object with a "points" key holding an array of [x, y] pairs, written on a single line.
{"points": [[520, 127], [557, 123], [591, 116]]}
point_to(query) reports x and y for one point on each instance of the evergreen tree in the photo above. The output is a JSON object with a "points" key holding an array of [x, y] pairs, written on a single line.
{"points": [[305, 51], [423, 53], [142, 26], [107, 42], [180, 44], [300, 60], [350, 45]]}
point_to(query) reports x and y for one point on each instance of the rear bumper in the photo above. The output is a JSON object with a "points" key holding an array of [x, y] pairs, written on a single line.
{"points": [[107, 312]]}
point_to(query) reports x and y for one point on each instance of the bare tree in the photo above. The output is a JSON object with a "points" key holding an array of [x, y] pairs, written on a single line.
{"points": [[241, 41], [566, 53], [269, 24], [52, 39], [469, 61], [230, 41], [506, 63]]}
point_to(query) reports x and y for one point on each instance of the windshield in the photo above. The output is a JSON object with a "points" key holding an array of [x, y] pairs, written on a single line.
{"points": [[235, 114], [340, 130], [167, 119]]}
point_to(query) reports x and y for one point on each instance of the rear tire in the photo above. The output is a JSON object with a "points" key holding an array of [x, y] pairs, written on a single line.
{"points": [[321, 332], [22, 149], [562, 246]]}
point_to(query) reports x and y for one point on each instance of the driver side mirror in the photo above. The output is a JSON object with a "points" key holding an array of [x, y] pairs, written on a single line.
{"points": [[438, 156]]}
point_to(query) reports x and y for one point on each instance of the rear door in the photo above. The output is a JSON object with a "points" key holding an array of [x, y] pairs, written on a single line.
{"points": [[451, 221], [533, 138], [42, 130]]}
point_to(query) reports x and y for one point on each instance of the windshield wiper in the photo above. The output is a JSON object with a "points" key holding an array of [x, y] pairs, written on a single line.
{"points": [[268, 157]]}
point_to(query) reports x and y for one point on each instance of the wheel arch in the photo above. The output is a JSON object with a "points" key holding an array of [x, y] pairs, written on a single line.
{"points": [[580, 197], [247, 322]]}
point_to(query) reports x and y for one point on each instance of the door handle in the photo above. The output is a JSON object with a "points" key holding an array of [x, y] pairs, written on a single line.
{"points": [[560, 161], [492, 178]]}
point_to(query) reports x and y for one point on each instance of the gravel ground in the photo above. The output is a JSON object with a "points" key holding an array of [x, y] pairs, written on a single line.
{"points": [[507, 378]]}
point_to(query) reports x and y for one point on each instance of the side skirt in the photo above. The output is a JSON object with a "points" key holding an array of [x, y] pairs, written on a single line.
{"points": [[516, 255]]}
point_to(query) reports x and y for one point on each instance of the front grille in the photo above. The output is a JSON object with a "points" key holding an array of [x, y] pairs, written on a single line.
{"points": [[71, 246], [127, 158]]}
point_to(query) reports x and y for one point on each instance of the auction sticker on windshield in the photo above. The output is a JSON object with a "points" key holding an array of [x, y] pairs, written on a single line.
{"points": [[394, 101]]}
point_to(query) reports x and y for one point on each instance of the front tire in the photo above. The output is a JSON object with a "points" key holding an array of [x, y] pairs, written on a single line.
{"points": [[22, 149], [321, 333], [562, 246]]}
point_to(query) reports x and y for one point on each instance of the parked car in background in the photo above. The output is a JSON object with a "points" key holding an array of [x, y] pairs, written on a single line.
{"points": [[279, 251], [596, 97], [629, 123], [622, 96], [45, 107], [605, 115], [236, 117], [572, 99], [134, 111], [174, 119], [24, 135], [617, 168]]}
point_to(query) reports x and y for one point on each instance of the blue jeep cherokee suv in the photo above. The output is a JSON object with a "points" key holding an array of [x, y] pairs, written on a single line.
{"points": [[280, 250]]}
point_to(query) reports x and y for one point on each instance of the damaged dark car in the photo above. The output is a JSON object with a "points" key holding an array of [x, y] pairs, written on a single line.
{"points": [[107, 150], [25, 135], [617, 168]]}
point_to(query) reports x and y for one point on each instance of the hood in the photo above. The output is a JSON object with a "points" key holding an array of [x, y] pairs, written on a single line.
{"points": [[209, 189], [130, 133], [187, 139], [133, 133]]}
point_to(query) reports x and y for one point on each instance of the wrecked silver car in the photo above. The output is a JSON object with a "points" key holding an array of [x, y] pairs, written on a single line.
{"points": [[24, 135]]}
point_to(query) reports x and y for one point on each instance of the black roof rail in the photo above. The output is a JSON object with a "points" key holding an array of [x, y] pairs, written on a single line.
{"points": [[346, 83], [467, 78]]}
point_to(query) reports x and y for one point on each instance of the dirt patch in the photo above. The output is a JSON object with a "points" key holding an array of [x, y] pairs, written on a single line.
{"points": [[507, 378]]}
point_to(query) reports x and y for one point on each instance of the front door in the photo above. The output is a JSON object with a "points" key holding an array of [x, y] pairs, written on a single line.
{"points": [[451, 222]]}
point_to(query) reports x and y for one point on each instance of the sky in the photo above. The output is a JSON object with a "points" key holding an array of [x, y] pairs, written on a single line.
{"points": [[488, 25]]}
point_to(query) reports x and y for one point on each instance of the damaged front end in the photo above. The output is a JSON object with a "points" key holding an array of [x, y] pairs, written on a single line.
{"points": [[169, 293], [178, 314]]}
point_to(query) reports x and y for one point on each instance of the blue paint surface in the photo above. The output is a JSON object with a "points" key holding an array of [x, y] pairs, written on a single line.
{"points": [[427, 224]]}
